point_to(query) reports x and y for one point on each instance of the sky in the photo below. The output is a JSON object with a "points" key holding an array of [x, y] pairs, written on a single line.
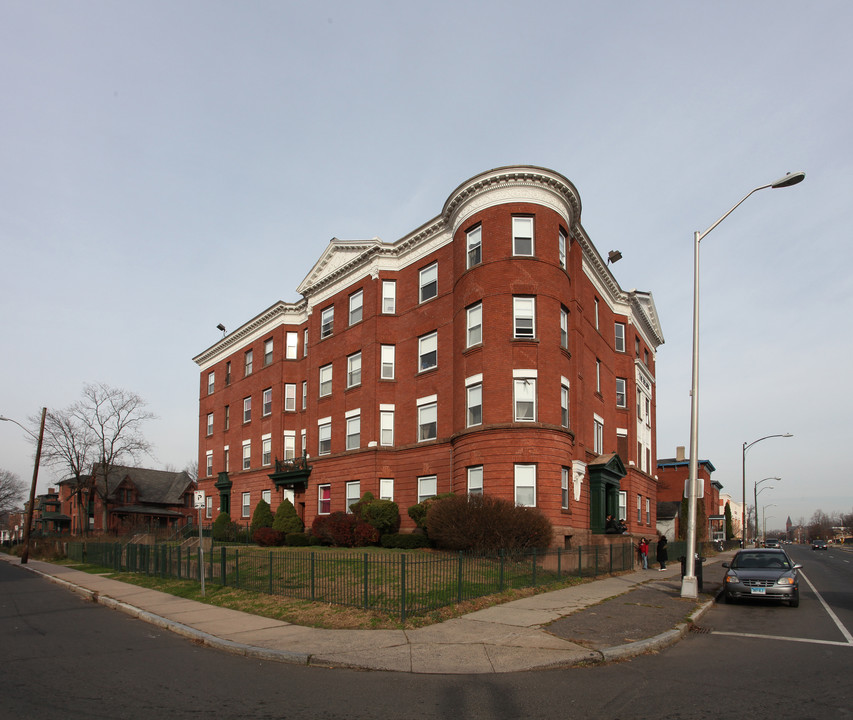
{"points": [[166, 166]]}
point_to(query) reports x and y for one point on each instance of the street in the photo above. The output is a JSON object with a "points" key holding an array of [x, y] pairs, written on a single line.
{"points": [[63, 657]]}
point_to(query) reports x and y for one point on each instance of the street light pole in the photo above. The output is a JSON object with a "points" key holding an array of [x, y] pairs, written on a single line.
{"points": [[25, 552], [689, 587], [764, 518], [755, 494], [747, 446]]}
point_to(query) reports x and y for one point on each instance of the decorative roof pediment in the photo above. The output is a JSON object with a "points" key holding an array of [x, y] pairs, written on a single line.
{"points": [[339, 257]]}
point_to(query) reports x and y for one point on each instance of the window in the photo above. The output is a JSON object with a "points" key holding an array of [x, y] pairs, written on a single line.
{"points": [[596, 313], [475, 324], [428, 283], [387, 355], [266, 496], [267, 352], [266, 450], [565, 473], [289, 444], [209, 463], [639, 509], [208, 507], [389, 297], [636, 347], [523, 312], [525, 485], [564, 328], [353, 429], [227, 416], [291, 345], [427, 487], [210, 382], [474, 246], [386, 424], [525, 399], [353, 494], [247, 363], [386, 488], [619, 341], [354, 370], [474, 403], [267, 401], [475, 480], [621, 393], [247, 504], [304, 394], [247, 454], [428, 352], [324, 436], [305, 342], [648, 512], [427, 418], [210, 423], [648, 404], [356, 304], [325, 380], [623, 506], [522, 236], [598, 434], [226, 458], [564, 402], [561, 248], [646, 357], [327, 321], [247, 409], [324, 499], [228, 373], [303, 436], [597, 375]]}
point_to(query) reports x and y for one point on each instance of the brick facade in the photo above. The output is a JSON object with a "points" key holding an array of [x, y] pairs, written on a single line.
{"points": [[512, 315]]}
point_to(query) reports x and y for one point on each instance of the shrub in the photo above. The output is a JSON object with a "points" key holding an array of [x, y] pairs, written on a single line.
{"points": [[286, 519], [486, 524], [267, 537], [223, 528], [418, 512], [407, 541], [261, 518], [384, 515], [297, 539], [343, 530]]}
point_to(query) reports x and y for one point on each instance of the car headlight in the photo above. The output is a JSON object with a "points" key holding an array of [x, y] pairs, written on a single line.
{"points": [[785, 581], [732, 579]]}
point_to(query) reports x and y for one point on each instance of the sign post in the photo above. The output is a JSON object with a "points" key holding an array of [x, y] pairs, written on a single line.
{"points": [[199, 505]]}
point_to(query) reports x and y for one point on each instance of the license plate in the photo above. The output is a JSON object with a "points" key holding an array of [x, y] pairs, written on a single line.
{"points": [[758, 591]]}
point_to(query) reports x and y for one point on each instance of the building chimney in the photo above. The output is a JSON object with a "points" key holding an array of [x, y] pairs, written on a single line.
{"points": [[679, 454]]}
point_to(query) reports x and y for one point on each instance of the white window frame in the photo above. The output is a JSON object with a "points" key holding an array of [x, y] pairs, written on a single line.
{"points": [[474, 244], [427, 350], [321, 508], [522, 234], [247, 455], [266, 496], [268, 351], [208, 457], [621, 392], [266, 401], [596, 313], [598, 434], [427, 487], [524, 483], [565, 474], [427, 418], [266, 450], [208, 507], [475, 480], [386, 425], [248, 361], [209, 424], [648, 512], [474, 401], [619, 337], [524, 318], [562, 245], [304, 394], [289, 444], [353, 429], [354, 370], [246, 507], [356, 307], [291, 350], [324, 436], [597, 375], [387, 355], [622, 512], [524, 392], [247, 409], [639, 509], [327, 322], [353, 494], [474, 325], [386, 489], [326, 380], [305, 342], [389, 297], [564, 328], [565, 406], [211, 382], [428, 282]]}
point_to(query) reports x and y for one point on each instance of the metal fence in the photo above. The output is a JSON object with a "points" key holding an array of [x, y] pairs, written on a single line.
{"points": [[393, 583]]}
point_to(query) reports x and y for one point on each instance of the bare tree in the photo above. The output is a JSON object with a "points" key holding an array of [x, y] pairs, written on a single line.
{"points": [[12, 491], [191, 469], [114, 417]]}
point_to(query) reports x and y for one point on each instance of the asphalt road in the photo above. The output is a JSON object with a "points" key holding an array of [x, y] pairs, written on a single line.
{"points": [[61, 657]]}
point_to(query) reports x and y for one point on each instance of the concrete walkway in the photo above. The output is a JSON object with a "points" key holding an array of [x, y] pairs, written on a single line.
{"points": [[606, 619]]}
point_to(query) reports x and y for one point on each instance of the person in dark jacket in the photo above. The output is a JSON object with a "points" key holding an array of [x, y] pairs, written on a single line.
{"points": [[661, 553]]}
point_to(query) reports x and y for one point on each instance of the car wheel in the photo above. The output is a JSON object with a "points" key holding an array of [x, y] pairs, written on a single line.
{"points": [[795, 599], [728, 599]]}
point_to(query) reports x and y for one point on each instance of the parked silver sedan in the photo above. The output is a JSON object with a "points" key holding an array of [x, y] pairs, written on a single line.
{"points": [[762, 573]]}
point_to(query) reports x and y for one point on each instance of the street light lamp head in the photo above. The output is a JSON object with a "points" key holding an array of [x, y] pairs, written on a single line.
{"points": [[614, 256], [787, 181]]}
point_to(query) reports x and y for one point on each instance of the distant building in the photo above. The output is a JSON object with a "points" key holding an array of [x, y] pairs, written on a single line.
{"points": [[736, 510], [48, 517], [490, 350], [673, 474]]}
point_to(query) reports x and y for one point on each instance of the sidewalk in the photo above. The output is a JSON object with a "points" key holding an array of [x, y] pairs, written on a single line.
{"points": [[603, 620]]}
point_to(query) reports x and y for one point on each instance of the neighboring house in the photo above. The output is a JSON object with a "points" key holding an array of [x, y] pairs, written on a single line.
{"points": [[736, 510], [135, 498], [48, 517], [673, 474], [491, 350]]}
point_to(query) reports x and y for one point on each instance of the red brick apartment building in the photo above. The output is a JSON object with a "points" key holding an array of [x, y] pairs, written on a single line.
{"points": [[673, 474], [490, 350]]}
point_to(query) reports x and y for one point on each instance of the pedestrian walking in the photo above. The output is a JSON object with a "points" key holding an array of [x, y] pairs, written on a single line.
{"points": [[644, 553], [661, 553]]}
